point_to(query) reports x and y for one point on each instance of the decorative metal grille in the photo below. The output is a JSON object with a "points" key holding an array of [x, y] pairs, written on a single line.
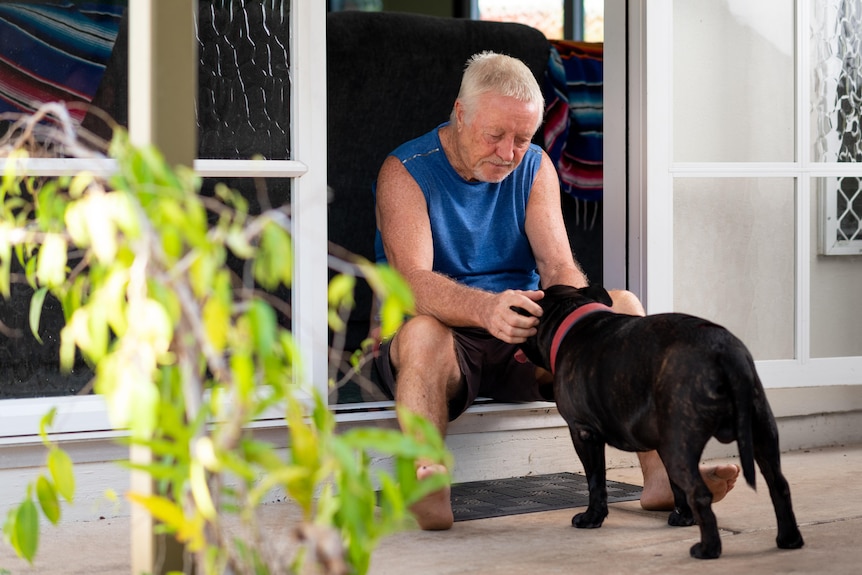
{"points": [[836, 114]]}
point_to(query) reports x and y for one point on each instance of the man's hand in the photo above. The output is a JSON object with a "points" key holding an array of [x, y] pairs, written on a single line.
{"points": [[503, 319]]}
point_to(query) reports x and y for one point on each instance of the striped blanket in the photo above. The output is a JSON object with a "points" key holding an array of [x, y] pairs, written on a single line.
{"points": [[573, 116], [55, 51]]}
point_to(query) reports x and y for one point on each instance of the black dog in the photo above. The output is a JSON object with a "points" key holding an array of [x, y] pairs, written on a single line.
{"points": [[666, 382]]}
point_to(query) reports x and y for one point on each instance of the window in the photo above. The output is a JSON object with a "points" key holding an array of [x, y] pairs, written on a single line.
{"points": [[258, 121], [750, 135], [836, 48], [49, 51], [557, 19]]}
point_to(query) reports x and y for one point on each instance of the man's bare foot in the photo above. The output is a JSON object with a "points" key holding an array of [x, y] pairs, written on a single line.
{"points": [[434, 512], [657, 495]]}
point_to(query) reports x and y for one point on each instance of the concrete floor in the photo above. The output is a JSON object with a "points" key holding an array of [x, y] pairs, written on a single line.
{"points": [[827, 498]]}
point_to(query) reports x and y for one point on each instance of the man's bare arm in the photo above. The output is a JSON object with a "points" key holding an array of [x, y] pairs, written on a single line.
{"points": [[402, 217]]}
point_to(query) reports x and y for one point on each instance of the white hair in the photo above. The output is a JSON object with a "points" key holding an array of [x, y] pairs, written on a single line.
{"points": [[489, 72]]}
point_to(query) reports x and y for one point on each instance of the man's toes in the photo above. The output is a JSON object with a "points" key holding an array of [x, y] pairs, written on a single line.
{"points": [[720, 479]]}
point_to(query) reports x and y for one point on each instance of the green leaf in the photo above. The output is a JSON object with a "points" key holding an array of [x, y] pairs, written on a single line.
{"points": [[67, 349], [36, 303], [152, 326], [46, 422], [76, 224], [124, 210], [145, 400], [79, 184], [97, 332], [25, 530], [273, 263], [340, 297], [102, 230], [62, 472], [333, 319], [30, 271], [201, 491], [340, 291], [5, 260], [264, 327], [295, 479], [394, 291], [391, 316], [10, 172], [48, 499], [239, 244], [242, 369], [392, 502], [172, 242], [51, 267], [387, 282], [188, 530], [216, 319], [132, 397]]}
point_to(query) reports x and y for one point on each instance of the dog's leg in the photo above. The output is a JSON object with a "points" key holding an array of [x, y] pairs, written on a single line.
{"points": [[681, 516], [592, 454], [768, 457], [681, 463]]}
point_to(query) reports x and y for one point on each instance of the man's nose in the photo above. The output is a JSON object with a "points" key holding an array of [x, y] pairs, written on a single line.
{"points": [[506, 149]]}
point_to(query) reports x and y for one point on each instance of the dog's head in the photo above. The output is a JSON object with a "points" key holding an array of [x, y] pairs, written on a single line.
{"points": [[558, 303]]}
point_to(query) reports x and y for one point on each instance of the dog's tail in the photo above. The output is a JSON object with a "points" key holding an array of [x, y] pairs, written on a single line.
{"points": [[742, 379]]}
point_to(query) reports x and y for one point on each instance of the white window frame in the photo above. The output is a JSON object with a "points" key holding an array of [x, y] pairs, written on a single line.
{"points": [[828, 218], [652, 235], [86, 416]]}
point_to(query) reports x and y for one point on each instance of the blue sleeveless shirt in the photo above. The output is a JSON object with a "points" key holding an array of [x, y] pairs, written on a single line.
{"points": [[477, 227]]}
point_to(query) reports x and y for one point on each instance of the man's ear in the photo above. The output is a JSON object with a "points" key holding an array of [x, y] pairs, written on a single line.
{"points": [[459, 115], [598, 293]]}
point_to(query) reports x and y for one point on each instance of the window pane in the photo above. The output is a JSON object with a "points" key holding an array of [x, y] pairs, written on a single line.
{"points": [[49, 52], [31, 369], [28, 368], [734, 246], [594, 20], [836, 80], [836, 313], [244, 79], [77, 52], [733, 81], [840, 215], [544, 15], [55, 51]]}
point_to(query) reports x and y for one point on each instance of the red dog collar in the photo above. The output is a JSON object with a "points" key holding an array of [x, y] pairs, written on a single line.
{"points": [[567, 324]]}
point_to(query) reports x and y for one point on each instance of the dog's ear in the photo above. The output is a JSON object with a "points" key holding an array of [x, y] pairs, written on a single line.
{"points": [[598, 293]]}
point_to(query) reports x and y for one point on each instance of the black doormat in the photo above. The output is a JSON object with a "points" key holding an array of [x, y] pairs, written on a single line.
{"points": [[529, 494]]}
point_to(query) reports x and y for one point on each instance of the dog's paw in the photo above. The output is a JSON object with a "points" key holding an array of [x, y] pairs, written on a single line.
{"points": [[677, 519], [701, 551], [588, 520]]}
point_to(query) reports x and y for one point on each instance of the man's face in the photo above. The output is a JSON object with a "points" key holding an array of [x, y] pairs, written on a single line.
{"points": [[495, 137]]}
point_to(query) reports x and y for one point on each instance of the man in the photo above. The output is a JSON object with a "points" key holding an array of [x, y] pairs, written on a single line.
{"points": [[470, 215]]}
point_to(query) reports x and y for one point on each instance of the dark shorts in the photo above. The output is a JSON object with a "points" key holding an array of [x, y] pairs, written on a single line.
{"points": [[488, 369]]}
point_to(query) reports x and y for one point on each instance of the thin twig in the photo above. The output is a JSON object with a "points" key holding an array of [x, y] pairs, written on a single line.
{"points": [[10, 332]]}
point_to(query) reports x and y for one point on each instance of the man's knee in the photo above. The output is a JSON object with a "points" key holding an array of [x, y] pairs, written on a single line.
{"points": [[424, 339], [626, 302]]}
